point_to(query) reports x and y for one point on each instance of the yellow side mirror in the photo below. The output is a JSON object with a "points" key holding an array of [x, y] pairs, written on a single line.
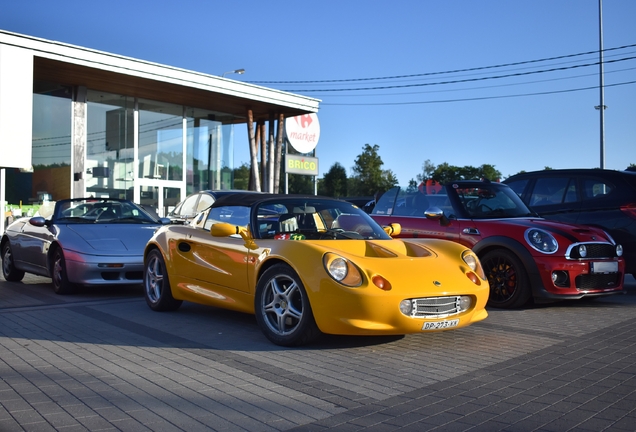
{"points": [[223, 229], [393, 229]]}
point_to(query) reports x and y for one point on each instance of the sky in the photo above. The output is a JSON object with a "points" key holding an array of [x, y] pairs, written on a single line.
{"points": [[509, 83]]}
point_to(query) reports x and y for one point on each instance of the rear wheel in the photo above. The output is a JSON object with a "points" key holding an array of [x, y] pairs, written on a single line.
{"points": [[157, 285], [508, 279], [9, 271], [61, 285], [282, 308]]}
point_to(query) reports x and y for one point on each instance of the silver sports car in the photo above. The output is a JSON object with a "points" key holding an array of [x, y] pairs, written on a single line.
{"points": [[83, 241]]}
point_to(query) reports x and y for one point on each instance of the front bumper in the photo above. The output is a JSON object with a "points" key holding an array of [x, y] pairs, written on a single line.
{"points": [[104, 270]]}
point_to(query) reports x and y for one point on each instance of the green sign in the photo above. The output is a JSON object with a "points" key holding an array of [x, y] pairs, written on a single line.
{"points": [[295, 164]]}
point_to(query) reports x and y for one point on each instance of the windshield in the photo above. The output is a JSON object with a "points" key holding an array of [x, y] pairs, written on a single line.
{"points": [[314, 219], [99, 211], [490, 201]]}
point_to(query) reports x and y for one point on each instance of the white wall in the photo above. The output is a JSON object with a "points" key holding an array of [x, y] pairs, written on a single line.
{"points": [[16, 106]]}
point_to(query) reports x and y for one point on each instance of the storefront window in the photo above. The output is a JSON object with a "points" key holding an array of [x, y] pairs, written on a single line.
{"points": [[209, 152], [160, 140], [109, 146], [51, 156]]}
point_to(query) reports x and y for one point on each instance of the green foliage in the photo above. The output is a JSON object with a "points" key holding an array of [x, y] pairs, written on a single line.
{"points": [[368, 175], [300, 184], [445, 172], [334, 182], [242, 177]]}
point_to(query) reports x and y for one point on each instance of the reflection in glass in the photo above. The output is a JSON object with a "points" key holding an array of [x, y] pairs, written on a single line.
{"points": [[160, 140]]}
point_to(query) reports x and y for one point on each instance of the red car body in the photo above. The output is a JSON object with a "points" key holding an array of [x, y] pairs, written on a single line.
{"points": [[523, 255]]}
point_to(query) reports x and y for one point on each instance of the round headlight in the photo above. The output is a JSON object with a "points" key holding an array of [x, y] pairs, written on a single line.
{"points": [[464, 303], [338, 269], [582, 251], [619, 250], [406, 307], [541, 240]]}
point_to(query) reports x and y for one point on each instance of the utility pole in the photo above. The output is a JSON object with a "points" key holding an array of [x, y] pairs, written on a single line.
{"points": [[601, 106]]}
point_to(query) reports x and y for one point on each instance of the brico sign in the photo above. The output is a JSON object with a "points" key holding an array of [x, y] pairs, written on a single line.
{"points": [[303, 132], [295, 164]]}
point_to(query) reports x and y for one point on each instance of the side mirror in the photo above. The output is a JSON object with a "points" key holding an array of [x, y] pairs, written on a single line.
{"points": [[37, 221], [165, 221], [224, 229], [393, 229], [435, 213]]}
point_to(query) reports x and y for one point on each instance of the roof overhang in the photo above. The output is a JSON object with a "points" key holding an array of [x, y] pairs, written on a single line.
{"points": [[77, 66]]}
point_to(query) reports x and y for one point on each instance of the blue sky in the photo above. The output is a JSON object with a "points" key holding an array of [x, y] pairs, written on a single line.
{"points": [[524, 116]]}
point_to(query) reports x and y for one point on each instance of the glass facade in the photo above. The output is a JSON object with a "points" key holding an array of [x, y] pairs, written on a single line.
{"points": [[148, 151]]}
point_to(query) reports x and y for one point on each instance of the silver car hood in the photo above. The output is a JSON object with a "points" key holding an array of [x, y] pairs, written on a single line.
{"points": [[114, 238]]}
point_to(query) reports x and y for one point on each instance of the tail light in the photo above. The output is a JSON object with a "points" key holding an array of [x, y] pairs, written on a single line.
{"points": [[630, 210]]}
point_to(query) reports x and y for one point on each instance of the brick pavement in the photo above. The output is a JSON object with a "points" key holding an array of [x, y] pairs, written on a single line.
{"points": [[101, 360]]}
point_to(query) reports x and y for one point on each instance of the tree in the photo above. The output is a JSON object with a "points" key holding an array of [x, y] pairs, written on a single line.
{"points": [[242, 177], [368, 176], [334, 182], [445, 173]]}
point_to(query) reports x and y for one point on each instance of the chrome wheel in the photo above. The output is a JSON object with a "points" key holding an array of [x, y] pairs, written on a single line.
{"points": [[59, 276], [9, 271], [157, 285], [283, 311]]}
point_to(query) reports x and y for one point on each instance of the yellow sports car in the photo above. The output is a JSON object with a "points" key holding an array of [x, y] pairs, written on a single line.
{"points": [[306, 265]]}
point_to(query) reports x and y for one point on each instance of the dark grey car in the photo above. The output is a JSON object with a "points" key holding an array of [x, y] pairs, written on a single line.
{"points": [[597, 197]]}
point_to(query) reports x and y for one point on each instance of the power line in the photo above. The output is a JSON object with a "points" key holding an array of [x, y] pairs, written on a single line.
{"points": [[444, 72], [461, 80], [481, 98]]}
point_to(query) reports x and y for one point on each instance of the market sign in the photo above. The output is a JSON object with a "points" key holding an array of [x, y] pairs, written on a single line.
{"points": [[295, 164], [303, 132]]}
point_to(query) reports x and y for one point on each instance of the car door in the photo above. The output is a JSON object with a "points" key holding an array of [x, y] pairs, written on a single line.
{"points": [[30, 248], [216, 261]]}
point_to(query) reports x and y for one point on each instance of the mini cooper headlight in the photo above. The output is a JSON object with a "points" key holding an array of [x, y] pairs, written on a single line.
{"points": [[582, 251], [619, 250], [541, 240], [342, 270]]}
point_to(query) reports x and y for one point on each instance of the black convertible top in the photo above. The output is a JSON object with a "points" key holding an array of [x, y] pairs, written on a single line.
{"points": [[249, 198]]}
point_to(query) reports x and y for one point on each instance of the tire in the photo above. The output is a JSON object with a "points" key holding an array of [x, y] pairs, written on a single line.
{"points": [[157, 285], [508, 279], [9, 271], [59, 277], [282, 308]]}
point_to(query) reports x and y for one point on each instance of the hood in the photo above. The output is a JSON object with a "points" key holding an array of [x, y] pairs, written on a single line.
{"points": [[573, 233], [128, 239]]}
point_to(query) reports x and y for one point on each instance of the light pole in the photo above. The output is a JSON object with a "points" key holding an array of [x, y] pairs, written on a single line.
{"points": [[601, 106], [236, 71]]}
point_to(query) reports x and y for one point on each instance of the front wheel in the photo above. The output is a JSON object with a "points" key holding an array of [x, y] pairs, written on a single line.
{"points": [[59, 277], [9, 271], [508, 279], [282, 308], [157, 285]]}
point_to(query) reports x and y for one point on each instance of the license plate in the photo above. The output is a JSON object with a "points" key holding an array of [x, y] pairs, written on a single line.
{"points": [[604, 267], [439, 325]]}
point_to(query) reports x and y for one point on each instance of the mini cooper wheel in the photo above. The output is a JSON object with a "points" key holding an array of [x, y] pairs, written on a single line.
{"points": [[9, 271], [59, 277], [508, 279], [157, 285], [282, 308]]}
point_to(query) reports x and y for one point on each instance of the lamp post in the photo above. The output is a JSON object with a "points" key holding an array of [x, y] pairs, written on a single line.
{"points": [[236, 71], [601, 107]]}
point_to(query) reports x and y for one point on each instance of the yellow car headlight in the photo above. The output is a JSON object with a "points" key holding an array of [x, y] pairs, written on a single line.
{"points": [[342, 270], [473, 263]]}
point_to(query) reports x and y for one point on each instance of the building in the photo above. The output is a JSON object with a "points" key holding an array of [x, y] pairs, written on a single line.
{"points": [[76, 122]]}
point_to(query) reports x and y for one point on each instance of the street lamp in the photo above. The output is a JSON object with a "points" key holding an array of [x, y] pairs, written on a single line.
{"points": [[237, 71]]}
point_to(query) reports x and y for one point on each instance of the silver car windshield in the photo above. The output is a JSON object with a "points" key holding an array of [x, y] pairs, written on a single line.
{"points": [[99, 211]]}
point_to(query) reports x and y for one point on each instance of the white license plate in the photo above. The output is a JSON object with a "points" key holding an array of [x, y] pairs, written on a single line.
{"points": [[439, 325], [604, 267]]}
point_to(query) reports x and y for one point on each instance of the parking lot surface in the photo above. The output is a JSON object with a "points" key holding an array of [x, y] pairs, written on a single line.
{"points": [[101, 360]]}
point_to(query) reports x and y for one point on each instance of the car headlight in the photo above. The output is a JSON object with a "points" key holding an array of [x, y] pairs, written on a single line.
{"points": [[541, 240], [342, 270], [473, 262]]}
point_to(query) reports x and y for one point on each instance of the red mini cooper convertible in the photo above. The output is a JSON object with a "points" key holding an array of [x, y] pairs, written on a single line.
{"points": [[524, 256]]}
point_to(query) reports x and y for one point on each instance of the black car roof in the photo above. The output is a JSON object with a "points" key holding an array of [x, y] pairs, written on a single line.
{"points": [[572, 171]]}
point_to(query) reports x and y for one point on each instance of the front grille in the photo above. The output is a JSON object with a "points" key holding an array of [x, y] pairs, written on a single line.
{"points": [[435, 307], [594, 250], [597, 281]]}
